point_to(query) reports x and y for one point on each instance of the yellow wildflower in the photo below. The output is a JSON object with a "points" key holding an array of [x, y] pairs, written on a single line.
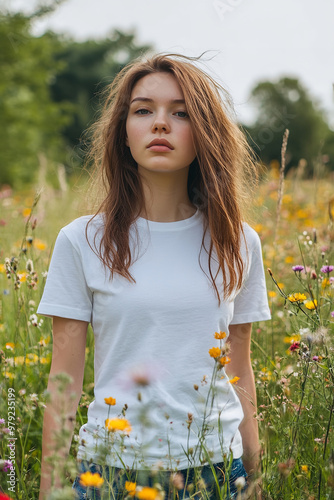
{"points": [[281, 285], [297, 297], [301, 214], [89, 479], [43, 341], [148, 493], [10, 345], [9, 375], [19, 360], [325, 282], [258, 228], [292, 338], [272, 294], [304, 468], [265, 374], [40, 245], [110, 401], [118, 424], [287, 198], [289, 260], [31, 358], [215, 352], [2, 268], [234, 380], [311, 304], [26, 212], [220, 335], [22, 275], [45, 360], [130, 488], [224, 360]]}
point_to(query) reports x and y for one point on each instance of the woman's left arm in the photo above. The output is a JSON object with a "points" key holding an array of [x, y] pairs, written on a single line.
{"points": [[240, 366]]}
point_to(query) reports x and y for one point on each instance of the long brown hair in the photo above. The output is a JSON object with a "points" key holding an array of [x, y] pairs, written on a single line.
{"points": [[218, 181]]}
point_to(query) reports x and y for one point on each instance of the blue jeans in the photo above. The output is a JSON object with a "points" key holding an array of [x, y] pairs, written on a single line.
{"points": [[117, 478]]}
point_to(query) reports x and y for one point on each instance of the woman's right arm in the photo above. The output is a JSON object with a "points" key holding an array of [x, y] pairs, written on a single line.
{"points": [[68, 356]]}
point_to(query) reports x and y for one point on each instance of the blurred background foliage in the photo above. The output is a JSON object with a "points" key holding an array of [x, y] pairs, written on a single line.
{"points": [[287, 104], [49, 95]]}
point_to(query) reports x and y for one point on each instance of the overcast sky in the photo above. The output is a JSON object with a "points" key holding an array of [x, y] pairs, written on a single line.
{"points": [[248, 40]]}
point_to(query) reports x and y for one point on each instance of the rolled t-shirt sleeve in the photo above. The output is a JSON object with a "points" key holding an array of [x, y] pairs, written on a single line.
{"points": [[66, 293], [251, 303]]}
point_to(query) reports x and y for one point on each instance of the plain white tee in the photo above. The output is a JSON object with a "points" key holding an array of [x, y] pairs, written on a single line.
{"points": [[159, 328]]}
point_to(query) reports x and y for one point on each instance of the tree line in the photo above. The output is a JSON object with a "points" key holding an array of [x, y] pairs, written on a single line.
{"points": [[49, 95]]}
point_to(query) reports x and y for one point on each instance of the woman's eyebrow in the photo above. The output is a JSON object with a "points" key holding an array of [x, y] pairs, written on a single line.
{"points": [[147, 99]]}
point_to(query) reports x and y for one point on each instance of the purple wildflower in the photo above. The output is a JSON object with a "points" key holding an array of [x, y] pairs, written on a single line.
{"points": [[298, 268], [332, 314], [2, 421], [327, 269], [315, 358], [7, 465]]}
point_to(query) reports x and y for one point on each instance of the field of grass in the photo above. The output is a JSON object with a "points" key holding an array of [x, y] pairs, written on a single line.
{"points": [[293, 354]]}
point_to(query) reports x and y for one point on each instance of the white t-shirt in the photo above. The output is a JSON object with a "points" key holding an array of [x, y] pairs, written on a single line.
{"points": [[160, 328]]}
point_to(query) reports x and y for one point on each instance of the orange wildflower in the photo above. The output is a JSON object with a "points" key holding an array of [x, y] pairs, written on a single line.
{"points": [[215, 352], [130, 488], [224, 360], [220, 335], [148, 493], [110, 401], [234, 380], [89, 479], [118, 424]]}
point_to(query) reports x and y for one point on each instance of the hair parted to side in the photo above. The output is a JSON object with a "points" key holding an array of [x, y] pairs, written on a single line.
{"points": [[220, 178]]}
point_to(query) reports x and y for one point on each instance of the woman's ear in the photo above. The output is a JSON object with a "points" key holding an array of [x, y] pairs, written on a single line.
{"points": [[126, 141]]}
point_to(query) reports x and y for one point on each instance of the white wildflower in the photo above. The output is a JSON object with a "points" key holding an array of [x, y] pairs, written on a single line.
{"points": [[29, 266], [33, 319], [240, 483]]}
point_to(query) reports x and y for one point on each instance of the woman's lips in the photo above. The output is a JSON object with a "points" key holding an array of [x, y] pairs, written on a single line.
{"points": [[159, 148], [160, 141]]}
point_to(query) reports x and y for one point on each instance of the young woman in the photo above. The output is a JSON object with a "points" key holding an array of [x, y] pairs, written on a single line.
{"points": [[165, 270]]}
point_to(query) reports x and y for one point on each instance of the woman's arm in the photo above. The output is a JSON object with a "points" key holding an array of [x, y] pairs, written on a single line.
{"points": [[68, 356], [240, 366]]}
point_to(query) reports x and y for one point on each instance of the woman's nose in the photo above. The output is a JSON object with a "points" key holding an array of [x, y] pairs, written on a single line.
{"points": [[161, 122]]}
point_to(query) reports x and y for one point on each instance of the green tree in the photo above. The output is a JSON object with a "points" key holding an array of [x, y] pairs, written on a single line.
{"points": [[31, 122], [287, 104]]}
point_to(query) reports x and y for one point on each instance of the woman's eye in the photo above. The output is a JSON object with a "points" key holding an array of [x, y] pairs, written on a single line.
{"points": [[139, 111], [184, 113]]}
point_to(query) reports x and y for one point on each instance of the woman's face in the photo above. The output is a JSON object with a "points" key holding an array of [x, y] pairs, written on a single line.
{"points": [[157, 111]]}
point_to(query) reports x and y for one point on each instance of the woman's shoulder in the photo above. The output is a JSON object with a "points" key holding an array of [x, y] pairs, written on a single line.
{"points": [[76, 230], [251, 236]]}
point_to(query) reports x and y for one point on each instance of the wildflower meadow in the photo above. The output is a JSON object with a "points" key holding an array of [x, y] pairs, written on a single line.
{"points": [[293, 354]]}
